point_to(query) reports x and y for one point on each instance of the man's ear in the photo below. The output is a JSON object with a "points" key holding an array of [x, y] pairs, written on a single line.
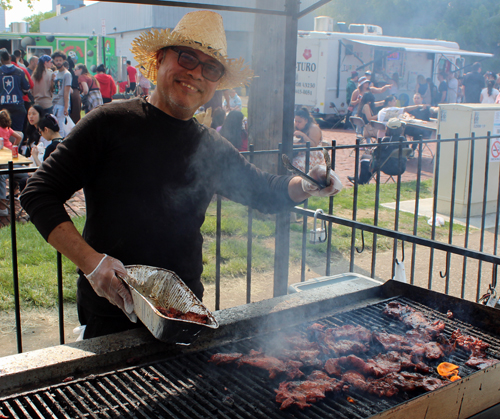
{"points": [[160, 55]]}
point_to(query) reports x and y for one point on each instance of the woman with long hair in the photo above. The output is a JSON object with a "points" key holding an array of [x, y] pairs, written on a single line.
{"points": [[218, 118], [232, 130], [306, 130], [489, 93], [89, 86], [31, 134], [368, 112], [43, 79], [48, 127]]}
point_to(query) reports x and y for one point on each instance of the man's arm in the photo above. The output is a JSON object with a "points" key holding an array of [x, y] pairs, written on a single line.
{"points": [[66, 239], [67, 90], [295, 190]]}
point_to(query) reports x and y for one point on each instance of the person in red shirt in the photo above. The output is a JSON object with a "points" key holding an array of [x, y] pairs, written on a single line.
{"points": [[106, 84], [131, 78]]}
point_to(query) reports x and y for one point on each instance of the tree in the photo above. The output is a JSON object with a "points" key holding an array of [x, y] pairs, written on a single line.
{"points": [[34, 20], [7, 4], [474, 24]]}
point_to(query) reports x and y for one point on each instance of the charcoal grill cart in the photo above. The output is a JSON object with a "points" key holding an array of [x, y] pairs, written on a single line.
{"points": [[133, 375]]}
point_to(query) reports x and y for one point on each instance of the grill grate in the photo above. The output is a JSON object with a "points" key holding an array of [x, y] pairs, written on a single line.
{"points": [[188, 387]]}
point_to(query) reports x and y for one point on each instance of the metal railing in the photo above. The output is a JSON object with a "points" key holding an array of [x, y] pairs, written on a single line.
{"points": [[414, 237]]}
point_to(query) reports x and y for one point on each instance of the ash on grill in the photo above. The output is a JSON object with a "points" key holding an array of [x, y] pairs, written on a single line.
{"points": [[321, 351]]}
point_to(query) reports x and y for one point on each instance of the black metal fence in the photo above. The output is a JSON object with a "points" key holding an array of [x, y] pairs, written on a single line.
{"points": [[460, 277]]}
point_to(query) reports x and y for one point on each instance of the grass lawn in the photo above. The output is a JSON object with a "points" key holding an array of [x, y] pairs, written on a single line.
{"points": [[37, 259]]}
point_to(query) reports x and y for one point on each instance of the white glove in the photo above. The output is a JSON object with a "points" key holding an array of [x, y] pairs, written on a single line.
{"points": [[105, 282], [319, 173]]}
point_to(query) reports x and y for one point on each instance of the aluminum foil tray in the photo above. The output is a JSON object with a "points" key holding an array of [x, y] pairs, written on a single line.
{"points": [[156, 287]]}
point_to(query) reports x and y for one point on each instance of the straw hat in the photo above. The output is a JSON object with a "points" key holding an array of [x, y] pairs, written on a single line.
{"points": [[202, 30]]}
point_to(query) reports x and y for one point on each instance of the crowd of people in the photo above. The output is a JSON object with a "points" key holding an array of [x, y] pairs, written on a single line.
{"points": [[43, 98], [472, 87]]}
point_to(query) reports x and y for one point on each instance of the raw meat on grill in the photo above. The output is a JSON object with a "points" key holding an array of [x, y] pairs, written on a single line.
{"points": [[411, 381], [308, 357], [418, 336], [259, 360], [333, 367], [219, 359], [302, 393], [379, 366], [392, 342], [413, 318], [377, 387], [343, 347], [469, 343], [481, 362], [299, 341], [350, 332]]}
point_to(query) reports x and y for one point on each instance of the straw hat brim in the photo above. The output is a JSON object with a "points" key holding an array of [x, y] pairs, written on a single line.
{"points": [[147, 45]]}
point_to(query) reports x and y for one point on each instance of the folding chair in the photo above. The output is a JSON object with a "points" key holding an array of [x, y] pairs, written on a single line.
{"points": [[405, 153]]}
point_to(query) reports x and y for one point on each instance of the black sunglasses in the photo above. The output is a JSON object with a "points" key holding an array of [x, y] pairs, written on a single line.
{"points": [[187, 60]]}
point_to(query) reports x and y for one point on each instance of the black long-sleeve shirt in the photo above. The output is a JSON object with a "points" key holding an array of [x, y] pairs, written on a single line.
{"points": [[148, 179]]}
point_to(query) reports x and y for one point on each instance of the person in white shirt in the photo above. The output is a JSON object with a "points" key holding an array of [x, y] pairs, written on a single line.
{"points": [[489, 93], [452, 88]]}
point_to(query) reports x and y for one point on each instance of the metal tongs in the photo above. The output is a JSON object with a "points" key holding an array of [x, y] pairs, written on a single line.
{"points": [[321, 185]]}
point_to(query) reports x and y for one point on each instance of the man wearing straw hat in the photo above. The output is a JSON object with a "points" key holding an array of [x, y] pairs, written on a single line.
{"points": [[149, 171]]}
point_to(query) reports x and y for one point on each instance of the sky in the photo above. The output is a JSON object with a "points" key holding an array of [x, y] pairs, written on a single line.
{"points": [[21, 10]]}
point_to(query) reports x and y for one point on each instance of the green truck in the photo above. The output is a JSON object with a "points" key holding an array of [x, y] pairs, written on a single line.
{"points": [[90, 50]]}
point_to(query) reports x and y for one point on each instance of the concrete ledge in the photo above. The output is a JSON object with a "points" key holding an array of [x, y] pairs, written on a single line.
{"points": [[44, 367]]}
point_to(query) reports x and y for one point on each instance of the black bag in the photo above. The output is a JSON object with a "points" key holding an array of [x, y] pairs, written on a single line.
{"points": [[85, 103]]}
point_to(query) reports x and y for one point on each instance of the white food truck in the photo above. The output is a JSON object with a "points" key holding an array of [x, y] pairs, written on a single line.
{"points": [[325, 60]]}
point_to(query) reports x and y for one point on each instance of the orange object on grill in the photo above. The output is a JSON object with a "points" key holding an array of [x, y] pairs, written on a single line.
{"points": [[448, 370]]}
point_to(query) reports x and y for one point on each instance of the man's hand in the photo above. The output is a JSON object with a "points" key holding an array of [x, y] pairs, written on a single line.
{"points": [[105, 282], [205, 118], [319, 173]]}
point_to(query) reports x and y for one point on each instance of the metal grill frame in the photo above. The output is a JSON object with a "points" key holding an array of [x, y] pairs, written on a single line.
{"points": [[134, 399]]}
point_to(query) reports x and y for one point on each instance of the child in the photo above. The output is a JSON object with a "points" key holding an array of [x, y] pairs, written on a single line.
{"points": [[50, 138], [6, 132]]}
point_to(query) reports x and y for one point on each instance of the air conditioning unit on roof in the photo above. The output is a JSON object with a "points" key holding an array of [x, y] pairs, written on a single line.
{"points": [[365, 29]]}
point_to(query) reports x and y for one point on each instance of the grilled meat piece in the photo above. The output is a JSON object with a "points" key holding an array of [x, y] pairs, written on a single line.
{"points": [[333, 366], [413, 318], [411, 381], [302, 393], [343, 347], [350, 332], [429, 350], [392, 342], [219, 359], [308, 357], [469, 343], [259, 360], [418, 336], [298, 341], [293, 369], [377, 387], [481, 362]]}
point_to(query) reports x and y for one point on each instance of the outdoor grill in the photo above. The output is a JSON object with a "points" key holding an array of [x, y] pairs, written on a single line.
{"points": [[184, 385]]}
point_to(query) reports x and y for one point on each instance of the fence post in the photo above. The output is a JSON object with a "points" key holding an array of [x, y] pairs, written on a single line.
{"points": [[249, 239], [281, 247], [15, 272]]}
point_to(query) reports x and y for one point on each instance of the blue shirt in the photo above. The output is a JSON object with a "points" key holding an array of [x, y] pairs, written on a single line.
{"points": [[13, 85]]}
